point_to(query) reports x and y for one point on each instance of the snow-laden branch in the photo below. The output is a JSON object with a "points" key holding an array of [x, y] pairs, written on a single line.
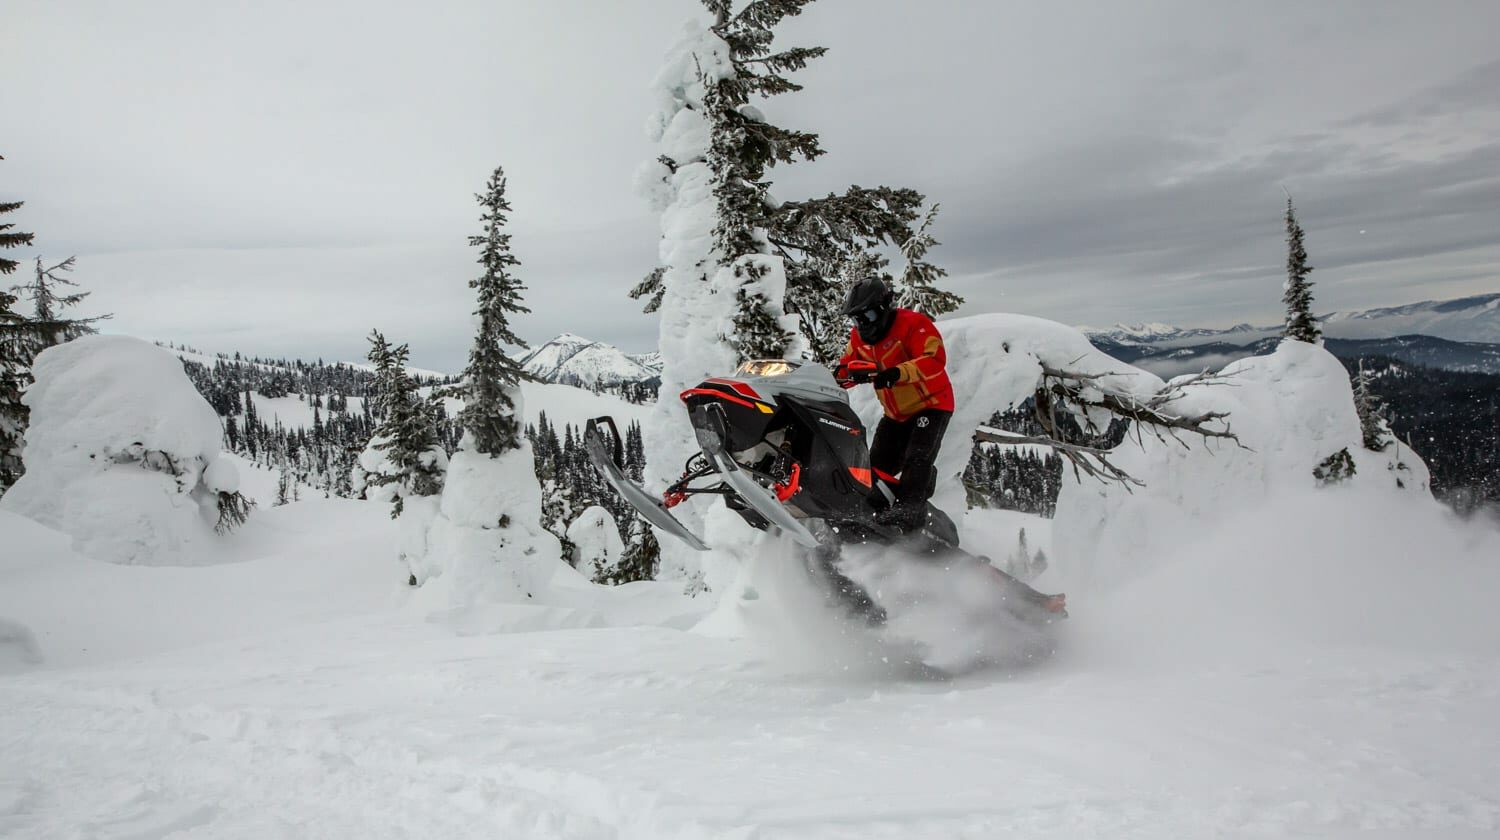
{"points": [[1081, 391], [1061, 392], [1086, 460]]}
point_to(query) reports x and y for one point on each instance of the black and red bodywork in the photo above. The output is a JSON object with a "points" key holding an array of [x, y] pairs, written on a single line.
{"points": [[809, 447], [782, 446]]}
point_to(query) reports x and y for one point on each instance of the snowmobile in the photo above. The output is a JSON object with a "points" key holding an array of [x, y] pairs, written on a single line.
{"points": [[781, 445]]}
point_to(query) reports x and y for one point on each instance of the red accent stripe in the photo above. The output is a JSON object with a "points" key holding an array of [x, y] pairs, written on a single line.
{"points": [[887, 477], [710, 392], [739, 387], [861, 475]]}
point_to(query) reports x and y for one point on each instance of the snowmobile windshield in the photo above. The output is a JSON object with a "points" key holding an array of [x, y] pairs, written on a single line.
{"points": [[766, 367]]}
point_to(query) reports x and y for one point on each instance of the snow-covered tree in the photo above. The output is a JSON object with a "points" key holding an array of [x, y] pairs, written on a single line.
{"points": [[18, 338], [743, 145], [742, 274], [1297, 291], [483, 537], [22, 337], [123, 454], [49, 301], [1374, 431], [1335, 469], [693, 292], [489, 415], [9, 237], [641, 557], [819, 241], [916, 288], [404, 457], [597, 548], [283, 487]]}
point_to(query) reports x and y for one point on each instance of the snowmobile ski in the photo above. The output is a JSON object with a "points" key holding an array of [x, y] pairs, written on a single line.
{"points": [[748, 489], [606, 460], [780, 444]]}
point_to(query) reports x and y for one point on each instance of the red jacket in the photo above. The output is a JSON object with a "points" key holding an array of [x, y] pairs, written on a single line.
{"points": [[913, 346]]}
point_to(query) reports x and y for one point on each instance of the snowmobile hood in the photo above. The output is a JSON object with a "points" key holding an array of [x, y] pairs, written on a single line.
{"points": [[805, 381]]}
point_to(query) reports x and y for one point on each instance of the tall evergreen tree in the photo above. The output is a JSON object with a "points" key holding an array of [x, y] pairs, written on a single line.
{"points": [[1297, 292], [742, 146], [916, 288], [18, 342], [820, 242], [1374, 432], [49, 301], [489, 413], [415, 462], [9, 237]]}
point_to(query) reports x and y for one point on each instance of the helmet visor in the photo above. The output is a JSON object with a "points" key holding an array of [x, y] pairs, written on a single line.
{"points": [[869, 316]]}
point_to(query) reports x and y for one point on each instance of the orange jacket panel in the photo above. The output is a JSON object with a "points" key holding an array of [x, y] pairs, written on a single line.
{"points": [[913, 346]]}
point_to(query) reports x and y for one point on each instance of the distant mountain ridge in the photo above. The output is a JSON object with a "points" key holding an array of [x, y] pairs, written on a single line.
{"points": [[1468, 319], [1424, 350], [574, 360]]}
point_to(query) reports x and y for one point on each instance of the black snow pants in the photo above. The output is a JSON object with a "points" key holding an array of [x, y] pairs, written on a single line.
{"points": [[910, 448]]}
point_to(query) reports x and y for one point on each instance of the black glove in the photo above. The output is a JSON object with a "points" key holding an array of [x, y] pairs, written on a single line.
{"points": [[858, 376], [887, 378]]}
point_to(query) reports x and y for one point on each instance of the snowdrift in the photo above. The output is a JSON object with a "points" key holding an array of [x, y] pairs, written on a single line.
{"points": [[597, 547], [122, 453], [1291, 410], [1200, 499]]}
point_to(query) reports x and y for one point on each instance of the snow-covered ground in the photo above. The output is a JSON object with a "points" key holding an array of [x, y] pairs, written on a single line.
{"points": [[1257, 682], [1248, 654], [562, 403]]}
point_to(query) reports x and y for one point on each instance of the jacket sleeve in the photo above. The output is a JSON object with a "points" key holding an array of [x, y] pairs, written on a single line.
{"points": [[848, 354], [925, 346]]}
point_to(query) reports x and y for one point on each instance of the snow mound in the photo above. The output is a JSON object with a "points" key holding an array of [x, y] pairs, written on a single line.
{"points": [[122, 453], [597, 547], [1355, 567], [484, 542], [1291, 410], [995, 362]]}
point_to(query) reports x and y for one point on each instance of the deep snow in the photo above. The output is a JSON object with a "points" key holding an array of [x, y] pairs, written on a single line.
{"points": [[1248, 654], [304, 693], [122, 453]]}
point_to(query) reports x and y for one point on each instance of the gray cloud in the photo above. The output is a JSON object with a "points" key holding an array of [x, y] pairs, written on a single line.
{"points": [[283, 177]]}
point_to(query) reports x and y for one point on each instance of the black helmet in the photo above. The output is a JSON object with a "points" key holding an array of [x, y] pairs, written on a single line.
{"points": [[872, 306]]}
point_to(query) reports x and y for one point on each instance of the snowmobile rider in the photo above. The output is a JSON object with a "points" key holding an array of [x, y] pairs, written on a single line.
{"points": [[911, 381]]}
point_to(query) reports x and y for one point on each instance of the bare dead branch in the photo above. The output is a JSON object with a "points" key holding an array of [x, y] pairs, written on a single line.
{"points": [[1086, 460], [1082, 394]]}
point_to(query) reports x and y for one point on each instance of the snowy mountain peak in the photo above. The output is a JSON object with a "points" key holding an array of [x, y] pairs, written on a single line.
{"points": [[574, 360]]}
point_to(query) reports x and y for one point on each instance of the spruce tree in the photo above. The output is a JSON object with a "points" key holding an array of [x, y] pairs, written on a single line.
{"points": [[1297, 292], [641, 557], [742, 146], [10, 238], [49, 300], [1335, 469], [18, 343], [489, 413], [1374, 432], [408, 434], [818, 241], [917, 287]]}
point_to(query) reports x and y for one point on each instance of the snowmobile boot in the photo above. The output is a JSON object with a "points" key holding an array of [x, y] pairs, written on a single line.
{"points": [[902, 518]]}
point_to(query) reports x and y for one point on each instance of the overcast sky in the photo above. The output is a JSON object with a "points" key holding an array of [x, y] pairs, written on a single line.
{"points": [[281, 176]]}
